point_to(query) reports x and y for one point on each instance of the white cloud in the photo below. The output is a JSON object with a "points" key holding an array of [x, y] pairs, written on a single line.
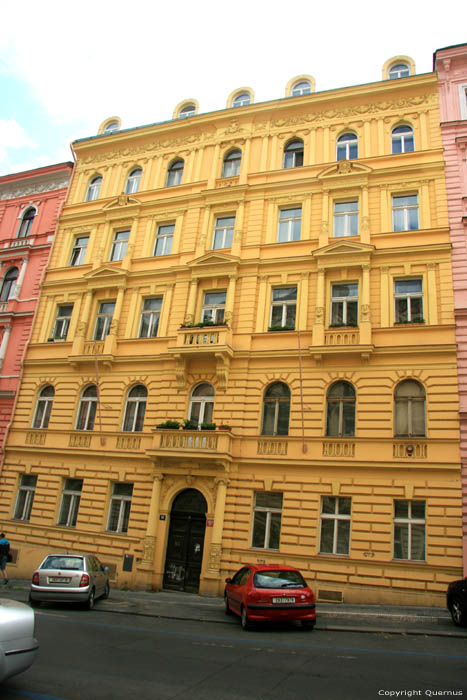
{"points": [[13, 136]]}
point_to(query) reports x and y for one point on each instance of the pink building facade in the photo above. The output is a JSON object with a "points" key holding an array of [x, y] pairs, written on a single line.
{"points": [[450, 63], [30, 203]]}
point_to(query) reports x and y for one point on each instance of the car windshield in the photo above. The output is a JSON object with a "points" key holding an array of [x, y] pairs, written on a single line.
{"points": [[279, 579], [53, 562]]}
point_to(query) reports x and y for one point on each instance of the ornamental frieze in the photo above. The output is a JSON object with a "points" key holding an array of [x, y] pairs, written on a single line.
{"points": [[23, 189]]}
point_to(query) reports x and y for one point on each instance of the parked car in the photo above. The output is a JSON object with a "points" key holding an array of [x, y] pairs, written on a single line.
{"points": [[18, 646], [456, 600], [69, 578], [269, 592]]}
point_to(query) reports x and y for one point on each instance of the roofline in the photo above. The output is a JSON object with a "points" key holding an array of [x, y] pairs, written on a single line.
{"points": [[445, 48], [44, 170]]}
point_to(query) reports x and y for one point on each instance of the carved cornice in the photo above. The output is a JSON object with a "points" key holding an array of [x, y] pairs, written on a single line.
{"points": [[33, 186]]}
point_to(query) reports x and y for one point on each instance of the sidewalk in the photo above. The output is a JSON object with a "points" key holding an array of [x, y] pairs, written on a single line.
{"points": [[330, 616]]}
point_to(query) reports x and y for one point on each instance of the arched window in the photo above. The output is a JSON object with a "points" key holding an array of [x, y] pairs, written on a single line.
{"points": [[187, 111], [9, 284], [87, 409], [399, 70], [202, 403], [231, 165], [409, 406], [303, 87], [347, 147], [26, 223], [93, 189], [276, 409], [341, 410], [402, 139], [175, 173], [110, 128], [135, 409], [133, 180], [44, 407], [244, 98], [293, 154]]}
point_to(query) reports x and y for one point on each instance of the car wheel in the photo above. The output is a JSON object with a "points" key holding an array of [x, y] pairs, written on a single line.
{"points": [[458, 610], [246, 624], [106, 591], [90, 601], [227, 606], [34, 603]]}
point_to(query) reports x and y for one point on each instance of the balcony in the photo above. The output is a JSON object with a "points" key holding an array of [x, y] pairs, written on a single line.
{"points": [[209, 341], [202, 447]]}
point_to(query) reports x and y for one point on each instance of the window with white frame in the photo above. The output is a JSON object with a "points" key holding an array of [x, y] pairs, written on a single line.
{"points": [[405, 212], [135, 409], [175, 173], [93, 189], [244, 98], [223, 232], [62, 321], [25, 497], [347, 147], [276, 409], [335, 524], [293, 154], [345, 219], [44, 407], [408, 301], [283, 307], [150, 316], [213, 307], [340, 410], [303, 87], [187, 111], [26, 223], [409, 407], [402, 139], [267, 516], [69, 507], [164, 239], [409, 530], [104, 319], [9, 284], [110, 128], [463, 101], [399, 70], [79, 249], [344, 304], [133, 180], [202, 403], [231, 164], [289, 226], [119, 245], [87, 409], [120, 506]]}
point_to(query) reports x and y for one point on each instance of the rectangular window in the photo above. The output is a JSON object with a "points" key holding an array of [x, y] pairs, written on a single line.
{"points": [[405, 213], [408, 301], [119, 245], [213, 307], [345, 219], [79, 250], [409, 530], [223, 232], [62, 322], [164, 240], [290, 223], [283, 307], [150, 317], [335, 525], [120, 506], [25, 498], [267, 516], [104, 319], [70, 502], [344, 305]]}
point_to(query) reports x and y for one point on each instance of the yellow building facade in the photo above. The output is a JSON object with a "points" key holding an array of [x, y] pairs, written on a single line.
{"points": [[281, 269]]}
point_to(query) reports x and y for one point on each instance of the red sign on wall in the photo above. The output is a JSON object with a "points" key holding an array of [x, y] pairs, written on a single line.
{"points": [[209, 523]]}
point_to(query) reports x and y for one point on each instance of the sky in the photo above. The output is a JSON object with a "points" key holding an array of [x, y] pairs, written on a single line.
{"points": [[65, 66]]}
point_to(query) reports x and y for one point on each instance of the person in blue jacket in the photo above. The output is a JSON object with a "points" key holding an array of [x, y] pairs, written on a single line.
{"points": [[4, 552]]}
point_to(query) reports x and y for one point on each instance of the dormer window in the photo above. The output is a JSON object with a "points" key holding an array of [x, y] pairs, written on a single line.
{"points": [[303, 87], [241, 100], [110, 128], [399, 70], [187, 111]]}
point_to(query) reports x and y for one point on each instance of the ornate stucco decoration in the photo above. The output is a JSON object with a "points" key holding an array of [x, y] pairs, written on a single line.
{"points": [[32, 186], [345, 167], [122, 200]]}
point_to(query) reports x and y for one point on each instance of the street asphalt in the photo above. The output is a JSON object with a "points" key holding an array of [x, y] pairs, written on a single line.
{"points": [[388, 619]]}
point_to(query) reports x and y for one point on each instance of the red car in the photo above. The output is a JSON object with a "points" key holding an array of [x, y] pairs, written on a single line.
{"points": [[269, 592]]}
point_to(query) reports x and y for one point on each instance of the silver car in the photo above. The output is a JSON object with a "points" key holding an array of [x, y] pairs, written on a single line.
{"points": [[69, 578], [18, 646]]}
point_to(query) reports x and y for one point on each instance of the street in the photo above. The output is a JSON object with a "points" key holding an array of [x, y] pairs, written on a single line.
{"points": [[102, 656]]}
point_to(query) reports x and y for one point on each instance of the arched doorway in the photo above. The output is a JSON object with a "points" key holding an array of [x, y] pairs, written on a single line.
{"points": [[186, 542]]}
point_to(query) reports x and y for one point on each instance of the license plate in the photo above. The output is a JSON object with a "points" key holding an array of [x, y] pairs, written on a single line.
{"points": [[59, 579], [283, 600]]}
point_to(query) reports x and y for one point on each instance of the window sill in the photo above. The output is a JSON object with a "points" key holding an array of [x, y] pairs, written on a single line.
{"points": [[410, 323], [342, 326]]}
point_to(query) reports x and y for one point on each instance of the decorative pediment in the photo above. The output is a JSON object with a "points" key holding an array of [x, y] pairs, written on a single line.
{"points": [[123, 200], [345, 167], [105, 274], [341, 251], [213, 258]]}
